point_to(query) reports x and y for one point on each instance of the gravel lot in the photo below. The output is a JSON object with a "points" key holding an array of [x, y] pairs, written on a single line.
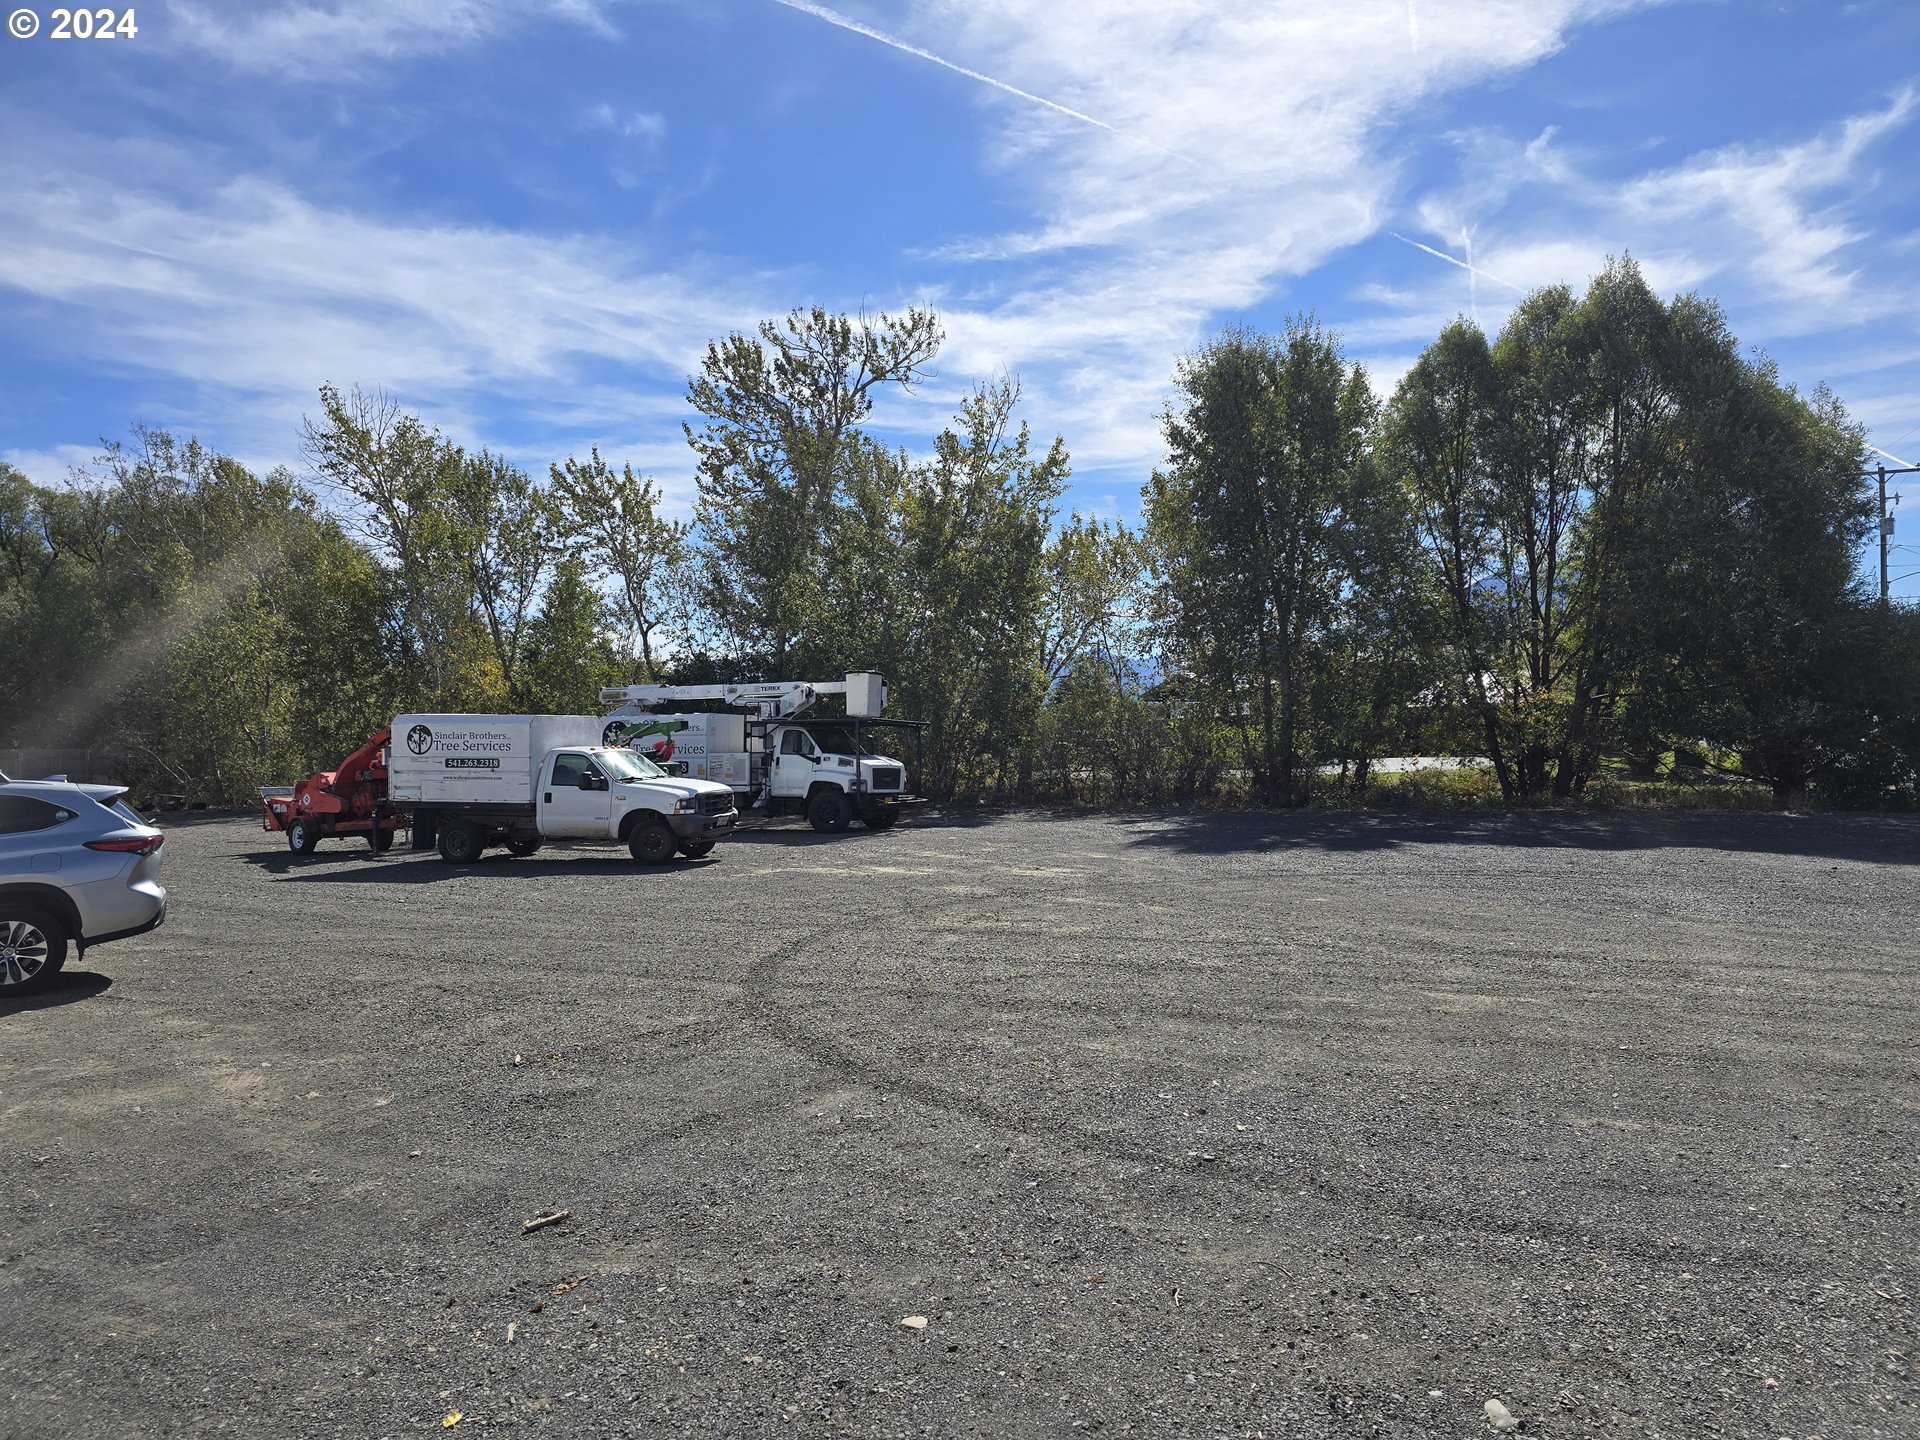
{"points": [[1294, 1126]]}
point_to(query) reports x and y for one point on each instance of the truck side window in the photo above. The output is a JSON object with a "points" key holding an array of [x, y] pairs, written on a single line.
{"points": [[794, 742], [567, 770]]}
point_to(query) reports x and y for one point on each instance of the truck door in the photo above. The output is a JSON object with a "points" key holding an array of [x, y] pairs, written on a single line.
{"points": [[793, 764], [575, 799]]}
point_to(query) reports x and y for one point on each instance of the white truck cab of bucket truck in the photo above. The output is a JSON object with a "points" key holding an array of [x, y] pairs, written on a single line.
{"points": [[473, 781], [775, 759]]}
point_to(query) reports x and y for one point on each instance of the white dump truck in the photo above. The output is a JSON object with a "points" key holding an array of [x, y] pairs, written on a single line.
{"points": [[472, 781], [773, 758]]}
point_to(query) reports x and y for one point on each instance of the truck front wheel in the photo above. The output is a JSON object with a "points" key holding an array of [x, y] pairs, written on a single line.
{"points": [[828, 810], [697, 849], [460, 843], [651, 843], [880, 819]]}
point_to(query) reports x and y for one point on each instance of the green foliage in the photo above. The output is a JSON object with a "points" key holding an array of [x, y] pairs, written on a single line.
{"points": [[567, 653], [1267, 447], [781, 416], [1607, 550], [1633, 533], [615, 526]]}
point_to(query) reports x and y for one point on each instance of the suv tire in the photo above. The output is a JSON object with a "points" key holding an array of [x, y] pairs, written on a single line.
{"points": [[33, 947]]}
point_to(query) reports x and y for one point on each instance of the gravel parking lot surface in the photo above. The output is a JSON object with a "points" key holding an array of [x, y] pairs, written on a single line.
{"points": [[1229, 1126]]}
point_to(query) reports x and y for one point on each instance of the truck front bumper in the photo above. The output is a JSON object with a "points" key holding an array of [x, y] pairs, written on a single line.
{"points": [[703, 827]]}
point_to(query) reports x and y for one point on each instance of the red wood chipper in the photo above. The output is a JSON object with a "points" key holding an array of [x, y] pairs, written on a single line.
{"points": [[349, 800]]}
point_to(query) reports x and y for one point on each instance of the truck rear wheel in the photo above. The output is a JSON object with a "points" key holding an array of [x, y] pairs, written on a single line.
{"points": [[828, 810], [380, 840], [523, 845], [460, 843], [302, 836], [651, 843]]}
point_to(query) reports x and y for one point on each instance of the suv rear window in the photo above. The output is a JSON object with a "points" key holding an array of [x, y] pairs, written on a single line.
{"points": [[19, 814]]}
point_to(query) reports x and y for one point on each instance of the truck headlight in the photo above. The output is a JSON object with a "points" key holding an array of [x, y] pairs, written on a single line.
{"points": [[687, 807]]}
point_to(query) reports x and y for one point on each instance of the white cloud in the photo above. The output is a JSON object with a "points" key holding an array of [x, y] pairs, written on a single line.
{"points": [[642, 125], [1136, 253], [251, 296], [1781, 235], [50, 467], [325, 37], [1788, 242]]}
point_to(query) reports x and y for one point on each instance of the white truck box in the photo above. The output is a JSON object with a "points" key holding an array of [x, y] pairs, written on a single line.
{"points": [[477, 759], [712, 746]]}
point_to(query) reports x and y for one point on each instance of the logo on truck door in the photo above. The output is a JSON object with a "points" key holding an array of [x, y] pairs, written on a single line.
{"points": [[419, 739]]}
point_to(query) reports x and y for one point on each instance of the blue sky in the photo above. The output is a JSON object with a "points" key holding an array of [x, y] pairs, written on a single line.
{"points": [[527, 220]]}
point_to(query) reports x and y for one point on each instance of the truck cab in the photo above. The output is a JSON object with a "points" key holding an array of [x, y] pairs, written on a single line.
{"points": [[831, 770]]}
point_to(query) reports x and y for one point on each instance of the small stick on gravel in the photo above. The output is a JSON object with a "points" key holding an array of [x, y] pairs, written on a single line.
{"points": [[540, 1222]]}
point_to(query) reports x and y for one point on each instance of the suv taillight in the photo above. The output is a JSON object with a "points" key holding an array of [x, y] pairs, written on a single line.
{"points": [[133, 844]]}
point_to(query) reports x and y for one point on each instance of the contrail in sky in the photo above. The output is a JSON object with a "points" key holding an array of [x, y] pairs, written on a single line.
{"points": [[1442, 255], [1895, 458], [846, 22]]}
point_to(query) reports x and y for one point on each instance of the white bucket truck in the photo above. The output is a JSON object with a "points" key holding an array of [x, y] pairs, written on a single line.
{"points": [[776, 760], [516, 780]]}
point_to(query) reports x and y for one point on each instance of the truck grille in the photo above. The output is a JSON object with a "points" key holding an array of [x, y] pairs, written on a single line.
{"points": [[716, 804], [886, 777]]}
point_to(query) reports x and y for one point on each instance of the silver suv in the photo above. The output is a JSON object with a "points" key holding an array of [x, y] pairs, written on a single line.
{"points": [[77, 866]]}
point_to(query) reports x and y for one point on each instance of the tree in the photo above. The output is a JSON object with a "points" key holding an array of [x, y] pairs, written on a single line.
{"points": [[617, 518], [1265, 442], [510, 534], [1638, 534], [1436, 443], [781, 414], [567, 652], [403, 480]]}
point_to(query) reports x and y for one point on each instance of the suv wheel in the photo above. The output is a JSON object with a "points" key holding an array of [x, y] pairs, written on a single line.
{"points": [[33, 947]]}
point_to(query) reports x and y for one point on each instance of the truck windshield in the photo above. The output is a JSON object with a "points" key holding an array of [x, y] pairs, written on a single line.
{"points": [[838, 740], [626, 765]]}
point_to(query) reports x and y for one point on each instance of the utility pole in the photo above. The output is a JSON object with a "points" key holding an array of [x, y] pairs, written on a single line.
{"points": [[1886, 531], [1880, 473]]}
